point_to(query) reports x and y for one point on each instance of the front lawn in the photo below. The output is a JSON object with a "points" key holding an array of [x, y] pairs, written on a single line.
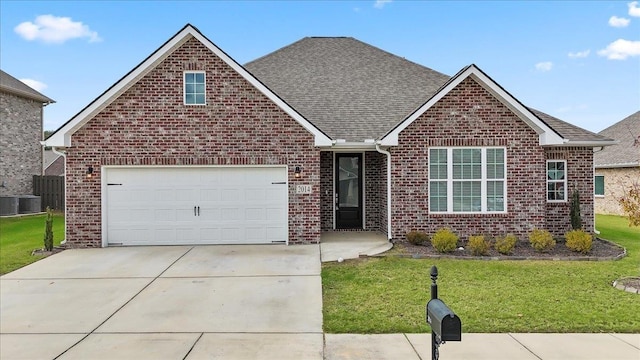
{"points": [[388, 295], [19, 236]]}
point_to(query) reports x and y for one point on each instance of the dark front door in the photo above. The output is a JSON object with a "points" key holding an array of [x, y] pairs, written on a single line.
{"points": [[348, 195]]}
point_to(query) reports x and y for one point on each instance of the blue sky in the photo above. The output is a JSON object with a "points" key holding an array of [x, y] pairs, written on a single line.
{"points": [[578, 61]]}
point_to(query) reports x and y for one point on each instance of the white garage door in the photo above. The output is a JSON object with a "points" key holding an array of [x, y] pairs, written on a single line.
{"points": [[196, 205]]}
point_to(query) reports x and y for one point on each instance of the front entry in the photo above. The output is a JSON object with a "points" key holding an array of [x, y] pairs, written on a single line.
{"points": [[348, 192]]}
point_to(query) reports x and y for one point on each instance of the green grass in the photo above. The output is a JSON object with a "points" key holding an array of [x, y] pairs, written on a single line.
{"points": [[389, 295], [19, 236]]}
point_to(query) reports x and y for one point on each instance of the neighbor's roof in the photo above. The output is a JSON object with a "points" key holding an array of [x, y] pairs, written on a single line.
{"points": [[12, 85], [349, 89], [355, 91], [627, 152]]}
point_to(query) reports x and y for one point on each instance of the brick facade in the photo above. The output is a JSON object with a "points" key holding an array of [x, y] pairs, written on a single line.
{"points": [[20, 135], [580, 174], [470, 116], [149, 125], [616, 182]]}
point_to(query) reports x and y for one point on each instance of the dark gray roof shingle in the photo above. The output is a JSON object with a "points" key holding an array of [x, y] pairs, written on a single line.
{"points": [[10, 84], [349, 89], [355, 91], [627, 152], [569, 131]]}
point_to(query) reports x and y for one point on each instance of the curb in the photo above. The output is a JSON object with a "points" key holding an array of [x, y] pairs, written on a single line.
{"points": [[630, 289]]}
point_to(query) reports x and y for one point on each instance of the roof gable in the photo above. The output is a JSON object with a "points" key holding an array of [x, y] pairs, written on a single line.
{"points": [[62, 136], [547, 136], [12, 85]]}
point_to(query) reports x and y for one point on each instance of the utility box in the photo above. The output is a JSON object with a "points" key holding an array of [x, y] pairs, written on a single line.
{"points": [[8, 205], [28, 204]]}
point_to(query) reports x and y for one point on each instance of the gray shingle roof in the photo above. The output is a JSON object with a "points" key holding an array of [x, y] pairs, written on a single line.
{"points": [[10, 84], [349, 89], [627, 152], [355, 91], [569, 131]]}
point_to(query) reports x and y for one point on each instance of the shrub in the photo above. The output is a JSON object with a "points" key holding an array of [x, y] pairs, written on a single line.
{"points": [[48, 230], [579, 241], [417, 237], [541, 240], [574, 212], [444, 240], [630, 202], [478, 245], [505, 244]]}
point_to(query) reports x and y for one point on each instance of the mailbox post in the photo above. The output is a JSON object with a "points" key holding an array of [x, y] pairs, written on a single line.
{"points": [[445, 325]]}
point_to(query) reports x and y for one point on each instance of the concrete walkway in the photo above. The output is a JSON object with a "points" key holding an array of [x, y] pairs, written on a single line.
{"points": [[352, 244], [485, 346]]}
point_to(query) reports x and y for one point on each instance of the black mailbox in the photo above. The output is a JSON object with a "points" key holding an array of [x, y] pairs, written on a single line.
{"points": [[443, 321]]}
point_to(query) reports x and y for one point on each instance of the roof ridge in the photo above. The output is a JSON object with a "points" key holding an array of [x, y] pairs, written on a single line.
{"points": [[399, 57], [274, 52]]}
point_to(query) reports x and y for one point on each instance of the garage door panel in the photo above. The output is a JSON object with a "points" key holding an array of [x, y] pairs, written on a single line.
{"points": [[231, 195], [210, 195], [210, 214], [160, 205], [252, 214]]}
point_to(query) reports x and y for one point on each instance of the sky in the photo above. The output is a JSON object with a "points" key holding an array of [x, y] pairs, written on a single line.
{"points": [[576, 60]]}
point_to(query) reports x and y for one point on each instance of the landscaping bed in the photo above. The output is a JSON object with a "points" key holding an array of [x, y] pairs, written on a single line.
{"points": [[601, 250]]}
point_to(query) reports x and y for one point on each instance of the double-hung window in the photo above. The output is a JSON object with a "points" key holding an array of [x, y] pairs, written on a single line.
{"points": [[194, 88], [556, 180], [467, 180]]}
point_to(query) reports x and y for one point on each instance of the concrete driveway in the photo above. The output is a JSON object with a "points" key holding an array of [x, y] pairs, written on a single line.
{"points": [[173, 302]]}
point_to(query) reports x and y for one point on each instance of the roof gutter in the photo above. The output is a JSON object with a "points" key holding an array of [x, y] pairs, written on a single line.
{"points": [[388, 154], [603, 143], [615, 166]]}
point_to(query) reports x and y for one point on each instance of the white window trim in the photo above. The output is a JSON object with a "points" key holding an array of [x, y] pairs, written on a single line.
{"points": [[483, 180], [546, 188], [184, 87], [594, 186]]}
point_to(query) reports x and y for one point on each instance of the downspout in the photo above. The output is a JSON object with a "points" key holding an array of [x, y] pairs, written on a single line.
{"points": [[385, 152], [64, 156], [596, 231]]}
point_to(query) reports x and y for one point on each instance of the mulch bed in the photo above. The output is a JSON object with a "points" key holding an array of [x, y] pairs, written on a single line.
{"points": [[601, 250]]}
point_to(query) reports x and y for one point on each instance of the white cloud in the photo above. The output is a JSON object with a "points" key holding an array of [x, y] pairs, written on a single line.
{"points": [[55, 30], [621, 49], [34, 84], [379, 4], [618, 22], [634, 10], [579, 54], [544, 66]]}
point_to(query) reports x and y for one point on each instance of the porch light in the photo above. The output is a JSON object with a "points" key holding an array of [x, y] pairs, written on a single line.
{"points": [[89, 172], [297, 171]]}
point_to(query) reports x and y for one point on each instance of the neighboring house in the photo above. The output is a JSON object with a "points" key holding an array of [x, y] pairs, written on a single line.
{"points": [[53, 164], [617, 167], [21, 109], [190, 147]]}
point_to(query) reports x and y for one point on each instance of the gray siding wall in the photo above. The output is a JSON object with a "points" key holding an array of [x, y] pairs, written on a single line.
{"points": [[20, 150]]}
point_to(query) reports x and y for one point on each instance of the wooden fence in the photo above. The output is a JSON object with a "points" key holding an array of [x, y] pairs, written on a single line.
{"points": [[51, 191]]}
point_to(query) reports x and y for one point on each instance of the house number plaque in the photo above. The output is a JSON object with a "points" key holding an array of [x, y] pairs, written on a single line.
{"points": [[303, 189]]}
